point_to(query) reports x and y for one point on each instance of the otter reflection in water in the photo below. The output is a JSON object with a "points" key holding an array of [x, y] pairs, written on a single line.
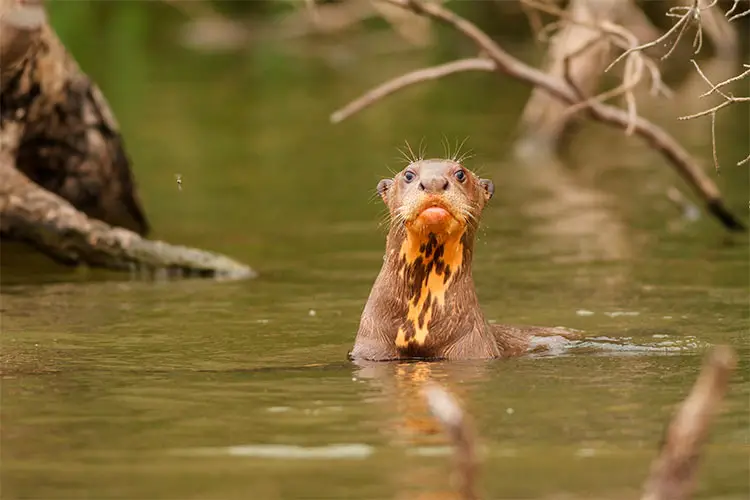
{"points": [[423, 303]]}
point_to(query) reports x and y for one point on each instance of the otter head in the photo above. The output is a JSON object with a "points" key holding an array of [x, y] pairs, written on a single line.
{"points": [[435, 206], [435, 197]]}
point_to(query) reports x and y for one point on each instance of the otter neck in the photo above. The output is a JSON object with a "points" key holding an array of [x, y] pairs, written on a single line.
{"points": [[430, 271]]}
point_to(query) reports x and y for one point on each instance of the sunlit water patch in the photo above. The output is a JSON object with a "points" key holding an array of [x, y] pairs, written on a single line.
{"points": [[286, 452]]}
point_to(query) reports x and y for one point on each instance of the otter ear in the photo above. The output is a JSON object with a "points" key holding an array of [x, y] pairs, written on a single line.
{"points": [[383, 186], [489, 187]]}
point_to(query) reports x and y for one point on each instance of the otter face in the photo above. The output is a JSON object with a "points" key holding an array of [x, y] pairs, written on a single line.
{"points": [[435, 196]]}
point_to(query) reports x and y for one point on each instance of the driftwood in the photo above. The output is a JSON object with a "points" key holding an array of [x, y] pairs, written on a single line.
{"points": [[65, 181], [673, 471], [563, 90]]}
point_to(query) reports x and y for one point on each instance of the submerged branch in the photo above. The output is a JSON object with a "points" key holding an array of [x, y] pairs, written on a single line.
{"points": [[457, 424], [673, 472]]}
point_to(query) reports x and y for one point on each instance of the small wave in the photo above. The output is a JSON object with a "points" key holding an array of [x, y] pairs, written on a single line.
{"points": [[610, 346], [665, 345]]}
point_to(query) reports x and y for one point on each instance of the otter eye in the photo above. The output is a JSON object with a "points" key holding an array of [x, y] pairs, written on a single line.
{"points": [[409, 176], [460, 175]]}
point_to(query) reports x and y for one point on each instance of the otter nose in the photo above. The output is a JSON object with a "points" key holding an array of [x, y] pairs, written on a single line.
{"points": [[434, 184]]}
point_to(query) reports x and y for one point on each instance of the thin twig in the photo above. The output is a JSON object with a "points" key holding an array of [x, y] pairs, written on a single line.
{"points": [[458, 426], [707, 111], [686, 16], [421, 75], [715, 88], [731, 16], [535, 20], [713, 142], [728, 99], [735, 4], [567, 60], [672, 473]]}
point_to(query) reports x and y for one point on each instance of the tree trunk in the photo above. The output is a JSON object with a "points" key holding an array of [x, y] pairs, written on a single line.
{"points": [[63, 163]]}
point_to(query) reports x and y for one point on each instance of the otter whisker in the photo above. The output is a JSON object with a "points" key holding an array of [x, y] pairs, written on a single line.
{"points": [[413, 157], [479, 171], [468, 155], [385, 222], [405, 156], [471, 219], [446, 146], [458, 157], [422, 149], [467, 213], [465, 156], [458, 149]]}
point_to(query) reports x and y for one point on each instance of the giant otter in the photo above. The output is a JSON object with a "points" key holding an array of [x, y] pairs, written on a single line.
{"points": [[423, 303]]}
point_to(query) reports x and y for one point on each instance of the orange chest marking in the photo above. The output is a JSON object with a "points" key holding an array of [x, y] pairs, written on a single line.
{"points": [[430, 267]]}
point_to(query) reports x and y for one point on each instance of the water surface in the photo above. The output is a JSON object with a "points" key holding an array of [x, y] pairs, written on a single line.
{"points": [[119, 388]]}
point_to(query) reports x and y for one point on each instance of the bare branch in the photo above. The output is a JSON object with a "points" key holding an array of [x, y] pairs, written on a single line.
{"points": [[707, 111], [713, 141], [728, 99], [421, 75], [679, 25], [686, 16], [731, 16], [619, 36], [673, 471], [652, 134], [735, 4], [715, 88]]}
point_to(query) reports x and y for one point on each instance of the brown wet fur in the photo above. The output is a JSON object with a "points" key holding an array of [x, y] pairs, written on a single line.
{"points": [[423, 303]]}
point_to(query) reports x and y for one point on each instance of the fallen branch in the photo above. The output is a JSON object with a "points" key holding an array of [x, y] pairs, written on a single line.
{"points": [[557, 87], [457, 424], [53, 226], [672, 474], [66, 186], [421, 75]]}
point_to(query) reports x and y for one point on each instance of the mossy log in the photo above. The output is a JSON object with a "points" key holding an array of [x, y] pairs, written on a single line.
{"points": [[65, 181]]}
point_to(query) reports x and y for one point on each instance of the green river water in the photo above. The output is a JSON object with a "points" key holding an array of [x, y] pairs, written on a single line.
{"points": [[119, 388]]}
